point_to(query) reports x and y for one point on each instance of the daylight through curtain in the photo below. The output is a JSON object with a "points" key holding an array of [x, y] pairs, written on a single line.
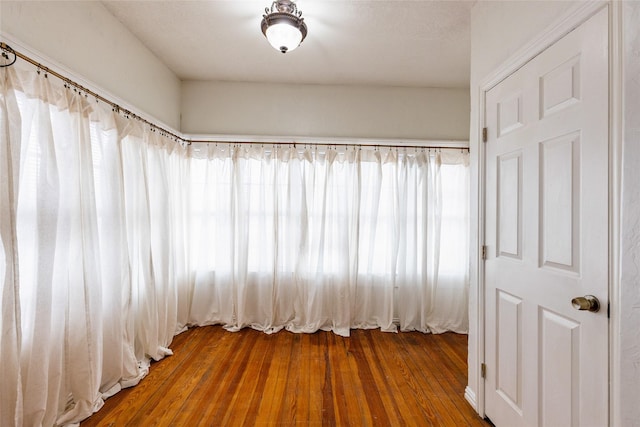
{"points": [[88, 230], [114, 238], [309, 238]]}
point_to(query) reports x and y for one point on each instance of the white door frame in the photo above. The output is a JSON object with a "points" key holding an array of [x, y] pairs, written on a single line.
{"points": [[566, 23]]}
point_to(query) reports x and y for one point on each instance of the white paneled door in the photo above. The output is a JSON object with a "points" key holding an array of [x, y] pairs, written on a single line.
{"points": [[547, 236]]}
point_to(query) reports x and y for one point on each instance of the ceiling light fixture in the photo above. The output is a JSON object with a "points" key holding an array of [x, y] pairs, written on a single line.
{"points": [[283, 25]]}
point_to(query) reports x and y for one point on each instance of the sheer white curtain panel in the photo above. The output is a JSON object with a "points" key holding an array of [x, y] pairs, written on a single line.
{"points": [[326, 238], [87, 226]]}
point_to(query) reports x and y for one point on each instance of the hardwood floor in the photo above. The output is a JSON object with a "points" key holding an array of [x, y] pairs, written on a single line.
{"points": [[373, 378]]}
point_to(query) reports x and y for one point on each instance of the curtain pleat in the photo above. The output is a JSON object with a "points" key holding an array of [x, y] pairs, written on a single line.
{"points": [[309, 238], [113, 238], [11, 395], [89, 277]]}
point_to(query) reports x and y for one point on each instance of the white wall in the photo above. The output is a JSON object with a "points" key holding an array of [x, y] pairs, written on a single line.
{"points": [[498, 30], [87, 40], [629, 311], [325, 111]]}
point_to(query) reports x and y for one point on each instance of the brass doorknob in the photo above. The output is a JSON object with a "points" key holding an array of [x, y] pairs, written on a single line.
{"points": [[587, 302]]}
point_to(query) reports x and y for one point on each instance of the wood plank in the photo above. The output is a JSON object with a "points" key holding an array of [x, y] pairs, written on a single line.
{"points": [[118, 409], [393, 360], [372, 378]]}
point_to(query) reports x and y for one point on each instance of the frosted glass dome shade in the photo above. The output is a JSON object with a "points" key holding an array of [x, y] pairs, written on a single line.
{"points": [[284, 37]]}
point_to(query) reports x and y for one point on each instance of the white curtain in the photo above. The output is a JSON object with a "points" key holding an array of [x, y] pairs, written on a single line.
{"points": [[309, 238], [90, 213], [113, 238]]}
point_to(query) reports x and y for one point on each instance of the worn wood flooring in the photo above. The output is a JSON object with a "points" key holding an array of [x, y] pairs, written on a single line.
{"points": [[247, 378]]}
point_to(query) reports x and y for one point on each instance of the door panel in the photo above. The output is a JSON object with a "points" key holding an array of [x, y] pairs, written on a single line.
{"points": [[559, 373], [546, 228], [509, 239], [559, 200], [509, 346], [560, 88]]}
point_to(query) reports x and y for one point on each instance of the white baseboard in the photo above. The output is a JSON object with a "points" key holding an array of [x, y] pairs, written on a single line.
{"points": [[471, 398]]}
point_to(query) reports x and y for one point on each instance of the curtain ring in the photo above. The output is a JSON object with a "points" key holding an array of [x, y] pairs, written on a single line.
{"points": [[6, 51]]}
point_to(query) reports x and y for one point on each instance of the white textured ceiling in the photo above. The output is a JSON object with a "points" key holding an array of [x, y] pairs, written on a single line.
{"points": [[397, 43]]}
